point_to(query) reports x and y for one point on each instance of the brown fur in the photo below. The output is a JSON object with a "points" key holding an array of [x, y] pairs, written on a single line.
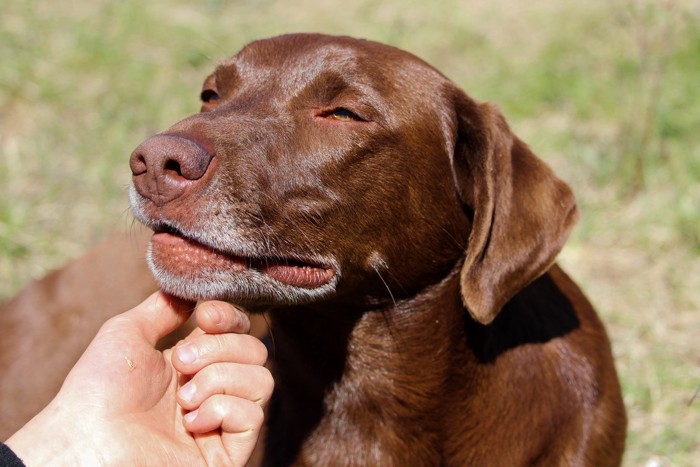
{"points": [[446, 336]]}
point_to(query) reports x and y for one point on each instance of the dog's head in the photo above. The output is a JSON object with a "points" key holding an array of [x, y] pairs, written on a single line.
{"points": [[334, 169]]}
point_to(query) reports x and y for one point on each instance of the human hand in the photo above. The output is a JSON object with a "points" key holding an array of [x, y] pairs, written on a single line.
{"points": [[121, 405]]}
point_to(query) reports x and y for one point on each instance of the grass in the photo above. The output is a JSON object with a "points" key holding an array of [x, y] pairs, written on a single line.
{"points": [[605, 91]]}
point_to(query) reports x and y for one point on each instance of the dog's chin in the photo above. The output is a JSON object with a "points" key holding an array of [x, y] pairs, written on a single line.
{"points": [[192, 271]]}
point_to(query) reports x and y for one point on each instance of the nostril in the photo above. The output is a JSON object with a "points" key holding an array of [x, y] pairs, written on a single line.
{"points": [[138, 164], [172, 165], [165, 166]]}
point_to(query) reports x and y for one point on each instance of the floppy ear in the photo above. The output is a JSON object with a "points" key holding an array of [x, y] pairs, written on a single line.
{"points": [[522, 213]]}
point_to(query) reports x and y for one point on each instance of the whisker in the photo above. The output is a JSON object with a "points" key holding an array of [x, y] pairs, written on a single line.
{"points": [[273, 350], [393, 300], [456, 242]]}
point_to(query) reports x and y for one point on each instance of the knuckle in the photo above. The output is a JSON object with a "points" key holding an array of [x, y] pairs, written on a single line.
{"points": [[259, 351], [215, 406], [219, 406], [211, 345], [266, 382], [116, 321], [256, 417], [231, 347]]}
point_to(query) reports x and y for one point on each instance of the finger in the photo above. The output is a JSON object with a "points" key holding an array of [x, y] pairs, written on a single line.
{"points": [[234, 450], [157, 316], [251, 382], [191, 356], [218, 317], [230, 414], [240, 422], [196, 332]]}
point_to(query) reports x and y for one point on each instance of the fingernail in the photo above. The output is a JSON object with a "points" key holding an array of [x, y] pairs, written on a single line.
{"points": [[190, 416], [187, 391], [187, 354]]}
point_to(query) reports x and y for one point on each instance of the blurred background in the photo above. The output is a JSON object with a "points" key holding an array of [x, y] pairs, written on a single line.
{"points": [[606, 91]]}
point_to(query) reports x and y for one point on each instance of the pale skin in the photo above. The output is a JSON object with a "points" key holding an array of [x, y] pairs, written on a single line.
{"points": [[126, 403]]}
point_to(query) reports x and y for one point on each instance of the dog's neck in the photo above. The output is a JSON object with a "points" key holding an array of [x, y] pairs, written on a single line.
{"points": [[338, 373]]}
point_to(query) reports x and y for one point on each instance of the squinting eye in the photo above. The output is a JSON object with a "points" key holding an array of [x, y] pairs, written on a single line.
{"points": [[209, 95], [343, 115]]}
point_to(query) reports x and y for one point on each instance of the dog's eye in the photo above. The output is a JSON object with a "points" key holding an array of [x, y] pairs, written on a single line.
{"points": [[209, 96], [342, 115]]}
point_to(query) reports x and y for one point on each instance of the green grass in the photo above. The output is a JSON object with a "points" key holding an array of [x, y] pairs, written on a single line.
{"points": [[606, 92]]}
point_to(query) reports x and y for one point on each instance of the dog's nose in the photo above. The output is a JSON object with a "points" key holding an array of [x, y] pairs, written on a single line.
{"points": [[164, 166]]}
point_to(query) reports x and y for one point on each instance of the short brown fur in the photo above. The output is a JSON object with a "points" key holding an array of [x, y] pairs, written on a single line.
{"points": [[447, 335]]}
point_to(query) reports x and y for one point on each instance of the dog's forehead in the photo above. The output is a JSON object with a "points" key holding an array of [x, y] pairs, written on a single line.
{"points": [[299, 58]]}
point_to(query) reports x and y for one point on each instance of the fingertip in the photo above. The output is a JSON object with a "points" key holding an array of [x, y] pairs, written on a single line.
{"points": [[160, 314], [159, 301], [187, 396], [178, 304], [190, 417]]}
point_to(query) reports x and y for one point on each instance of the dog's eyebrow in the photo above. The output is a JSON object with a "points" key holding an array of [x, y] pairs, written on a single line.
{"points": [[226, 76], [333, 88], [327, 85]]}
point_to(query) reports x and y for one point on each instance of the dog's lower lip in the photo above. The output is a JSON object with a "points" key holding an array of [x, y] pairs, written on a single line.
{"points": [[187, 257], [307, 277]]}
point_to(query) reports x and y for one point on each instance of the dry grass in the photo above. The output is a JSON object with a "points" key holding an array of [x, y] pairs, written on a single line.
{"points": [[605, 91]]}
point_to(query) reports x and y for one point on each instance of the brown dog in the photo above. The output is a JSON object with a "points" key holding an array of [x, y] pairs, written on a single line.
{"points": [[403, 240]]}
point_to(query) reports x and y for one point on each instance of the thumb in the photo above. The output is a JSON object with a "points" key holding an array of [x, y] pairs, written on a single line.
{"points": [[159, 315]]}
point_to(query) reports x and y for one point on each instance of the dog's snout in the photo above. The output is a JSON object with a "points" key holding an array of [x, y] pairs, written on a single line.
{"points": [[165, 166]]}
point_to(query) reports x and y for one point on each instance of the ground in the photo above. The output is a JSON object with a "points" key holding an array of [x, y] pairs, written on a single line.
{"points": [[604, 91]]}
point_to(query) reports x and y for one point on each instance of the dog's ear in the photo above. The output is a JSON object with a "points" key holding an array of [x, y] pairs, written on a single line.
{"points": [[522, 213]]}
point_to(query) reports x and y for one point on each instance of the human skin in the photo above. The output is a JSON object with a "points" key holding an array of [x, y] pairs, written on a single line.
{"points": [[126, 403]]}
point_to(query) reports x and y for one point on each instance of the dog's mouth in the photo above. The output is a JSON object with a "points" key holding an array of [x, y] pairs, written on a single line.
{"points": [[185, 257]]}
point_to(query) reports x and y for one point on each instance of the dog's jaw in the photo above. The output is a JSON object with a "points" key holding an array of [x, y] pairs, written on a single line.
{"points": [[201, 265], [193, 271]]}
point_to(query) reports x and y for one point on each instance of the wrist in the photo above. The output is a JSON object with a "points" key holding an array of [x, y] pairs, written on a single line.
{"points": [[48, 440]]}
